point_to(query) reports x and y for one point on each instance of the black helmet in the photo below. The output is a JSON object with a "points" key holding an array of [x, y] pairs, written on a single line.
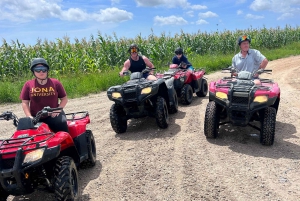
{"points": [[244, 38], [37, 61], [179, 51], [133, 46]]}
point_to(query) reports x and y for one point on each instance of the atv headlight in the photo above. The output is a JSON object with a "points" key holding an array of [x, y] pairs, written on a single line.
{"points": [[34, 156], [116, 95], [260, 99], [146, 90], [221, 95]]}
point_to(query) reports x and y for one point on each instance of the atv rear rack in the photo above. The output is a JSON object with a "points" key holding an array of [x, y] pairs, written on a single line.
{"points": [[74, 115]]}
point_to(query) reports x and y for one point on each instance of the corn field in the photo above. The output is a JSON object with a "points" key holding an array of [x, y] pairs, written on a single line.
{"points": [[102, 53]]}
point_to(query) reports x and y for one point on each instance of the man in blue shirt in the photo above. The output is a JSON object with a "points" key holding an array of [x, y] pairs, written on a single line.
{"points": [[179, 58], [249, 59]]}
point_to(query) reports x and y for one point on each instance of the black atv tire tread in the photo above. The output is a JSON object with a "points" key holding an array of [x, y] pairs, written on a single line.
{"points": [[211, 121], [3, 194], [186, 94], [118, 124], [267, 133], [204, 89], [92, 153], [62, 185], [161, 113], [174, 108]]}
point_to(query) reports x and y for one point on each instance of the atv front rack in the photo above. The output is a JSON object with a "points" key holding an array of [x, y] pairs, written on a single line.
{"points": [[31, 143]]}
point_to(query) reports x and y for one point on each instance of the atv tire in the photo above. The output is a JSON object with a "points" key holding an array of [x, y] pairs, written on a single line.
{"points": [[174, 108], [3, 194], [212, 120], [91, 149], [118, 118], [203, 90], [161, 113], [66, 179], [186, 95], [267, 130]]}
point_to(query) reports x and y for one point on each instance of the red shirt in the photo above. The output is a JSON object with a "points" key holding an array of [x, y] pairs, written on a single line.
{"points": [[41, 96]]}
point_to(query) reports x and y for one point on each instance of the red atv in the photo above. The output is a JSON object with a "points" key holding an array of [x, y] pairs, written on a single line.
{"points": [[239, 101], [186, 82], [36, 156]]}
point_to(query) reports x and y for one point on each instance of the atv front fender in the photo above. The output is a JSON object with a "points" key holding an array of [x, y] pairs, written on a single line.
{"points": [[61, 138]]}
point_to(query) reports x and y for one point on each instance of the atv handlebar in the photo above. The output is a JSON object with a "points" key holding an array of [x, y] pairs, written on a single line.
{"points": [[45, 112], [8, 116], [232, 70], [146, 70]]}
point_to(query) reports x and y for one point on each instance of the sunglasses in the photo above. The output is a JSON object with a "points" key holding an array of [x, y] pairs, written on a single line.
{"points": [[133, 50], [38, 70]]}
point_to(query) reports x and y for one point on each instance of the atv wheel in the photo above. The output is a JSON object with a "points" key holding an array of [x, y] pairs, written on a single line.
{"points": [[66, 179], [211, 121], [203, 89], [174, 108], [3, 194], [91, 149], [161, 113], [267, 131], [186, 94], [118, 118]]}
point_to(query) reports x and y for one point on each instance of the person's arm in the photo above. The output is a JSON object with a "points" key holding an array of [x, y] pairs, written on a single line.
{"points": [[148, 63], [125, 67], [63, 102], [26, 109], [185, 60], [263, 64]]}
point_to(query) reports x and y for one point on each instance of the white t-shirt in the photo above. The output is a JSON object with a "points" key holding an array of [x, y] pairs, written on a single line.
{"points": [[249, 63]]}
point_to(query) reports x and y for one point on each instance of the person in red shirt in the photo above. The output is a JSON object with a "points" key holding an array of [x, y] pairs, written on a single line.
{"points": [[43, 91]]}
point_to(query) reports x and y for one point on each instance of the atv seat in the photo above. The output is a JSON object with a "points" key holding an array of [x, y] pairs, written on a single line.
{"points": [[25, 123]]}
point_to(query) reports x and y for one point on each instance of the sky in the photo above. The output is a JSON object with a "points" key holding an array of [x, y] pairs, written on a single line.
{"points": [[30, 20]]}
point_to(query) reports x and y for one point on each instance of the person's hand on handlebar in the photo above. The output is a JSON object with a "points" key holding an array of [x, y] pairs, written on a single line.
{"points": [[55, 113]]}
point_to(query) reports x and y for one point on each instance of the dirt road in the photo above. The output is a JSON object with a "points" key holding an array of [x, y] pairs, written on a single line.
{"points": [[179, 163]]}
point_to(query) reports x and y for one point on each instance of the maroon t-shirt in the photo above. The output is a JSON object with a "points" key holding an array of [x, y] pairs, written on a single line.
{"points": [[41, 96]]}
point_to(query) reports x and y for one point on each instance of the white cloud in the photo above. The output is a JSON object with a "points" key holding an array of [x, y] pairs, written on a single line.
{"points": [[27, 10], [171, 20], [275, 5], [256, 17], [201, 21], [190, 13], [287, 8], [197, 7], [239, 12], [258, 5], [168, 3], [208, 14], [112, 15], [285, 16]]}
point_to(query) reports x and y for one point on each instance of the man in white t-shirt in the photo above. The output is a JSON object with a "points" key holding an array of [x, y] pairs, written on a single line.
{"points": [[249, 59]]}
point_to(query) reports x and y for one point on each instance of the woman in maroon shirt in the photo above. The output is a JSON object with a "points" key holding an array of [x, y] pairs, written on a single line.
{"points": [[43, 91]]}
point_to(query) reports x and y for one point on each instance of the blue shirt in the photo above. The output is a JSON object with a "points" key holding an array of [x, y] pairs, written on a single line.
{"points": [[177, 61], [249, 63]]}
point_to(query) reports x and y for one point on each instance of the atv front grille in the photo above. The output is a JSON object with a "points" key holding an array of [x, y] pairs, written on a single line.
{"points": [[240, 100], [130, 95]]}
